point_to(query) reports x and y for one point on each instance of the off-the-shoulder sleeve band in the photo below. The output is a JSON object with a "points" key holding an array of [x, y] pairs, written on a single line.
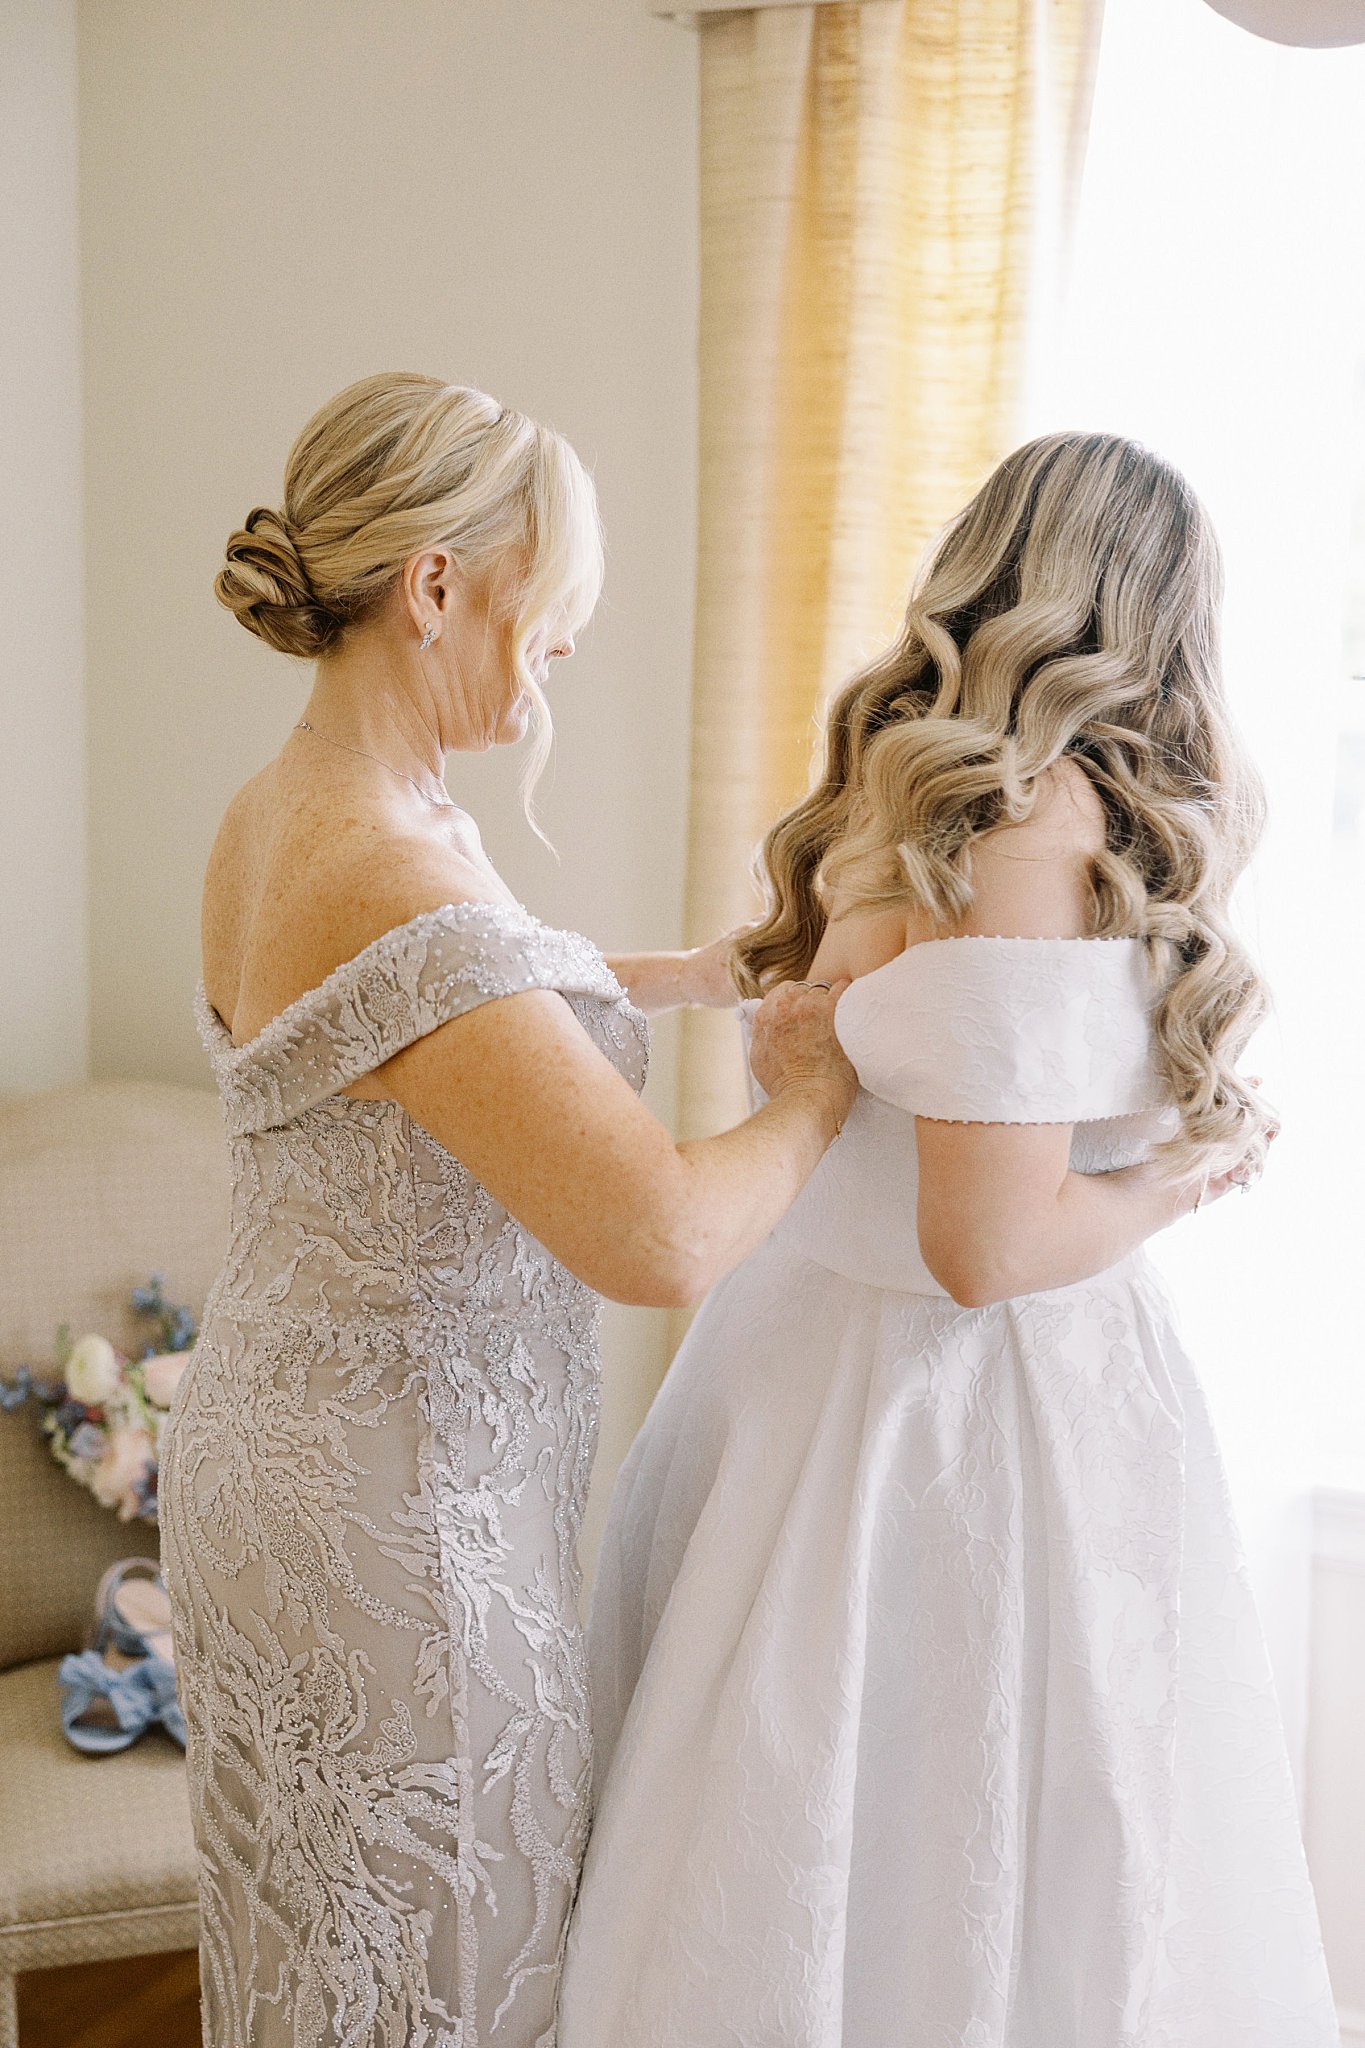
{"points": [[438, 966], [1008, 1030]]}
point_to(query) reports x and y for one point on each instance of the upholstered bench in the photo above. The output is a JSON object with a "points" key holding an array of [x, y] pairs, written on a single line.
{"points": [[100, 1186]]}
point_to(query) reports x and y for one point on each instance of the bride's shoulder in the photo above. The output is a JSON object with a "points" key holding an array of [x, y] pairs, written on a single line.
{"points": [[1066, 819], [1032, 879]]}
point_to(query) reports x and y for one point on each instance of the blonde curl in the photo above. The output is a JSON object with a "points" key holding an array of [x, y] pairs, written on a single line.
{"points": [[1069, 613]]}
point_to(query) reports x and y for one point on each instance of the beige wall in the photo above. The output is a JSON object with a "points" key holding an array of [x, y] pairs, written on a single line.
{"points": [[42, 765], [276, 199]]}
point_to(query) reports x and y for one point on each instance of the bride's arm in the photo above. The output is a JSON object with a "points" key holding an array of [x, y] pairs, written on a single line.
{"points": [[1000, 1211], [672, 981]]}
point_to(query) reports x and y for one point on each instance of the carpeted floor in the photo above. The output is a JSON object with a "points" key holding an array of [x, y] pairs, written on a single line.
{"points": [[125, 2004]]}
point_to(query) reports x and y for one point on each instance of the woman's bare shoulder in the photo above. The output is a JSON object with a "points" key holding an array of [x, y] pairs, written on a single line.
{"points": [[371, 881], [289, 897], [1067, 819], [1032, 879]]}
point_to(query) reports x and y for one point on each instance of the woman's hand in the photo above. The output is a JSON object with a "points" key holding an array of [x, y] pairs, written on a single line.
{"points": [[1206, 1188], [793, 1045]]}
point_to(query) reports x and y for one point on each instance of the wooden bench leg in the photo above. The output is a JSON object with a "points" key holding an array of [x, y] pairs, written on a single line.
{"points": [[9, 2013]]}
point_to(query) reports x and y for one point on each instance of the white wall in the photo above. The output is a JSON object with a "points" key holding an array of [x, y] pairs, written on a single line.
{"points": [[275, 200], [1334, 1820], [42, 763]]}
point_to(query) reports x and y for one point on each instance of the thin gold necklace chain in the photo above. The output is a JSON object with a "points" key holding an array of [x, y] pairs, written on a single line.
{"points": [[442, 804]]}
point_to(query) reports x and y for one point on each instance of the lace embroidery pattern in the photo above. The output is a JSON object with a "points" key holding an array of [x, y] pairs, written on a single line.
{"points": [[374, 1482]]}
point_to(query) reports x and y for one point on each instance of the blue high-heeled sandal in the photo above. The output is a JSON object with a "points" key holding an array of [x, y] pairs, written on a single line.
{"points": [[124, 1680], [105, 1709]]}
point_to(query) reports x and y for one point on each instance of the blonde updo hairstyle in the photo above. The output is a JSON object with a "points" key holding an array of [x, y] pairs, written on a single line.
{"points": [[1069, 613], [398, 463]]}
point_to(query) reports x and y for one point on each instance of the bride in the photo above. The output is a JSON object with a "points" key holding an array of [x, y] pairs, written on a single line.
{"points": [[931, 1707]]}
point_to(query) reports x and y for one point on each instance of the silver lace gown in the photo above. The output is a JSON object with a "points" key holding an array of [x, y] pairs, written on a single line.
{"points": [[373, 1485]]}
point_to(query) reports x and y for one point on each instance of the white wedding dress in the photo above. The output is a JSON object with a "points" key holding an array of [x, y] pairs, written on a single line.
{"points": [[931, 1705]]}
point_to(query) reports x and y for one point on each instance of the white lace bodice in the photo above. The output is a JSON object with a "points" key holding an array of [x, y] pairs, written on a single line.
{"points": [[375, 1478], [979, 1030]]}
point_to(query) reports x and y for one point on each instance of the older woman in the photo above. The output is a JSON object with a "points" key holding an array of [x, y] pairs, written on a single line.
{"points": [[381, 1449]]}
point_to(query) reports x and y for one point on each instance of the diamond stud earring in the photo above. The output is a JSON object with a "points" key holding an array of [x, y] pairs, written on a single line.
{"points": [[427, 638]]}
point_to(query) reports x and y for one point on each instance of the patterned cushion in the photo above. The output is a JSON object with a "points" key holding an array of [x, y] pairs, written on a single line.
{"points": [[99, 1185], [96, 1854]]}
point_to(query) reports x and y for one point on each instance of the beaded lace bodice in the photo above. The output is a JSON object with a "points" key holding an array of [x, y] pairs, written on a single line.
{"points": [[375, 1479]]}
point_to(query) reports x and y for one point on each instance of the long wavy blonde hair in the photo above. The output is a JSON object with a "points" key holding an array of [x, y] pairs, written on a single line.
{"points": [[1070, 612], [397, 463]]}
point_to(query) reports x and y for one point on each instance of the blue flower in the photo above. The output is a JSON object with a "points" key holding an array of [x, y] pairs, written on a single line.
{"points": [[14, 1393], [176, 1327], [151, 1299], [87, 1440], [24, 1387]]}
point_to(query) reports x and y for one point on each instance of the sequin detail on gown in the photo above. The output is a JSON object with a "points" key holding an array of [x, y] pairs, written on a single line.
{"points": [[375, 1476]]}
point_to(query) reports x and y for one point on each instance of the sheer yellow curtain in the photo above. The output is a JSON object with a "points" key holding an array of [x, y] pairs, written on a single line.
{"points": [[883, 183]]}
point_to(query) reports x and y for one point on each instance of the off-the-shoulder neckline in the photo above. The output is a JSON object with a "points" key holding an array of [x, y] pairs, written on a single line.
{"points": [[441, 913], [985, 939], [969, 939]]}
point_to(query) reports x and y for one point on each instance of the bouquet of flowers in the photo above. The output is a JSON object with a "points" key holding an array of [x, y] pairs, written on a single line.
{"points": [[106, 1413]]}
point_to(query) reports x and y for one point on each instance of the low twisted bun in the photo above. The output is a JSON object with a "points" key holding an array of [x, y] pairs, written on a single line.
{"points": [[398, 463], [265, 584]]}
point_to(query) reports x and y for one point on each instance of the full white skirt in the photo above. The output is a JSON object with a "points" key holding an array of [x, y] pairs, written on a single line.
{"points": [[931, 1705]]}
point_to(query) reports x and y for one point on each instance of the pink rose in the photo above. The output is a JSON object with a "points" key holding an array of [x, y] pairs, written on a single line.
{"points": [[161, 1376], [114, 1480]]}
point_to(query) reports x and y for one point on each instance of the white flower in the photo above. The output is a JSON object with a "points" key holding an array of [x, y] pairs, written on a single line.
{"points": [[92, 1371]]}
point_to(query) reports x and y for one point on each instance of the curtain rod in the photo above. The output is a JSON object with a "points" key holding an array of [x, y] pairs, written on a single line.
{"points": [[689, 14], [1308, 23]]}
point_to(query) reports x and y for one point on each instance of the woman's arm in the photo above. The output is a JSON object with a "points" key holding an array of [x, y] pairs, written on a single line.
{"points": [[1000, 1212], [672, 981], [517, 1091]]}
